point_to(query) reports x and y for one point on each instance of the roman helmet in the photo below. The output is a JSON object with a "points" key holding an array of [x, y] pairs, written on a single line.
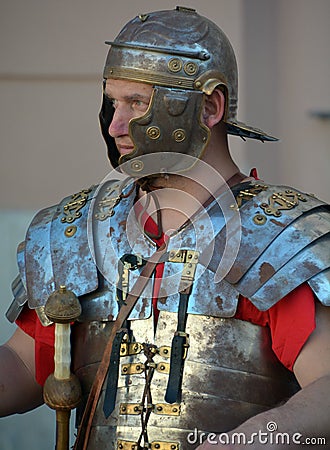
{"points": [[183, 55]]}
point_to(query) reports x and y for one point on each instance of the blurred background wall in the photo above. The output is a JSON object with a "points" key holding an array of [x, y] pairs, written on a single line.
{"points": [[51, 61]]}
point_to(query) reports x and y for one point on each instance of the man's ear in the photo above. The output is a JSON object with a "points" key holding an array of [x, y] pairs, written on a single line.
{"points": [[214, 108]]}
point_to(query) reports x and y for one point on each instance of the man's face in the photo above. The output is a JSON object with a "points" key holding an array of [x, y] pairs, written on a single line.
{"points": [[130, 100]]}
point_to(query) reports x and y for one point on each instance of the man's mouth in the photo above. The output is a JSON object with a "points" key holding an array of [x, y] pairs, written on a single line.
{"points": [[125, 149]]}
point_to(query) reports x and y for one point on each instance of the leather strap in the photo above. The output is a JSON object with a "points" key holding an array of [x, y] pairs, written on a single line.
{"points": [[178, 351], [94, 395], [111, 389]]}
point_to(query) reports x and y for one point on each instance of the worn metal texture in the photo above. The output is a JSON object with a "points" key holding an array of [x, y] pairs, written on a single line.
{"points": [[71, 254], [303, 266], [57, 253], [284, 243], [20, 298], [255, 237], [230, 375], [117, 235], [18, 286], [38, 263], [21, 262], [207, 296], [293, 239], [320, 284]]}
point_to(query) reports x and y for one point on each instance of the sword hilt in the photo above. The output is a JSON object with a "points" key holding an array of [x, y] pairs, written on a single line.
{"points": [[62, 391]]}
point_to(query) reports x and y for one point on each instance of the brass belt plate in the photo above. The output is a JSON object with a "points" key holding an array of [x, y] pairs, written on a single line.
{"points": [[167, 409], [158, 445], [137, 368], [155, 445], [131, 409], [163, 367], [163, 409], [134, 348], [127, 349], [127, 445], [132, 369], [164, 351]]}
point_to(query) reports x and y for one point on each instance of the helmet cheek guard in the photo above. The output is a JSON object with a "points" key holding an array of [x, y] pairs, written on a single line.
{"points": [[105, 118], [171, 124]]}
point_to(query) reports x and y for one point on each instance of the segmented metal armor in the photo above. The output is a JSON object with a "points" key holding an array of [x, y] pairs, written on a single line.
{"points": [[199, 367]]}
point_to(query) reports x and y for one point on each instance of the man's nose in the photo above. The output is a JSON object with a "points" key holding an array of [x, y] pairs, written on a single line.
{"points": [[119, 124]]}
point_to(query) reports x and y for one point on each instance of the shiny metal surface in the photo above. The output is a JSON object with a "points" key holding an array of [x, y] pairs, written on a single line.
{"points": [[289, 248], [226, 360]]}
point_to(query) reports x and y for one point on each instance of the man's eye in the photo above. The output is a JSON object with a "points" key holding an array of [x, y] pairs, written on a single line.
{"points": [[140, 105], [111, 100]]}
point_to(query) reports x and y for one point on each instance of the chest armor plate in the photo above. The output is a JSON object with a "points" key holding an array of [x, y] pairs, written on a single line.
{"points": [[230, 374]]}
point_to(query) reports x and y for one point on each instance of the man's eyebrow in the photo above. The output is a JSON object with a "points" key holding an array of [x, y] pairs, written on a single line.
{"points": [[130, 97]]}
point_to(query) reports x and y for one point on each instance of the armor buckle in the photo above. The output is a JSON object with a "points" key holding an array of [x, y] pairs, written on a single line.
{"points": [[189, 258], [155, 445], [186, 344]]}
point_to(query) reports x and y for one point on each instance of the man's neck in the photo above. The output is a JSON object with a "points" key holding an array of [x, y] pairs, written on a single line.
{"points": [[179, 197]]}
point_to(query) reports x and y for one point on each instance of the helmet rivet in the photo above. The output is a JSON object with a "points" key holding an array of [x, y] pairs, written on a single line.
{"points": [[179, 135], [153, 132], [143, 17], [174, 65], [137, 165], [190, 68], [198, 84]]}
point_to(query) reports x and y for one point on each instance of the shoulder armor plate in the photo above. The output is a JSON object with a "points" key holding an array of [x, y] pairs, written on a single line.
{"points": [[68, 244], [285, 242]]}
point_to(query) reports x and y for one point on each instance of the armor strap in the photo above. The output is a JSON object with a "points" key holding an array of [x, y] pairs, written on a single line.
{"points": [[180, 342], [178, 352], [111, 390], [125, 310]]}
